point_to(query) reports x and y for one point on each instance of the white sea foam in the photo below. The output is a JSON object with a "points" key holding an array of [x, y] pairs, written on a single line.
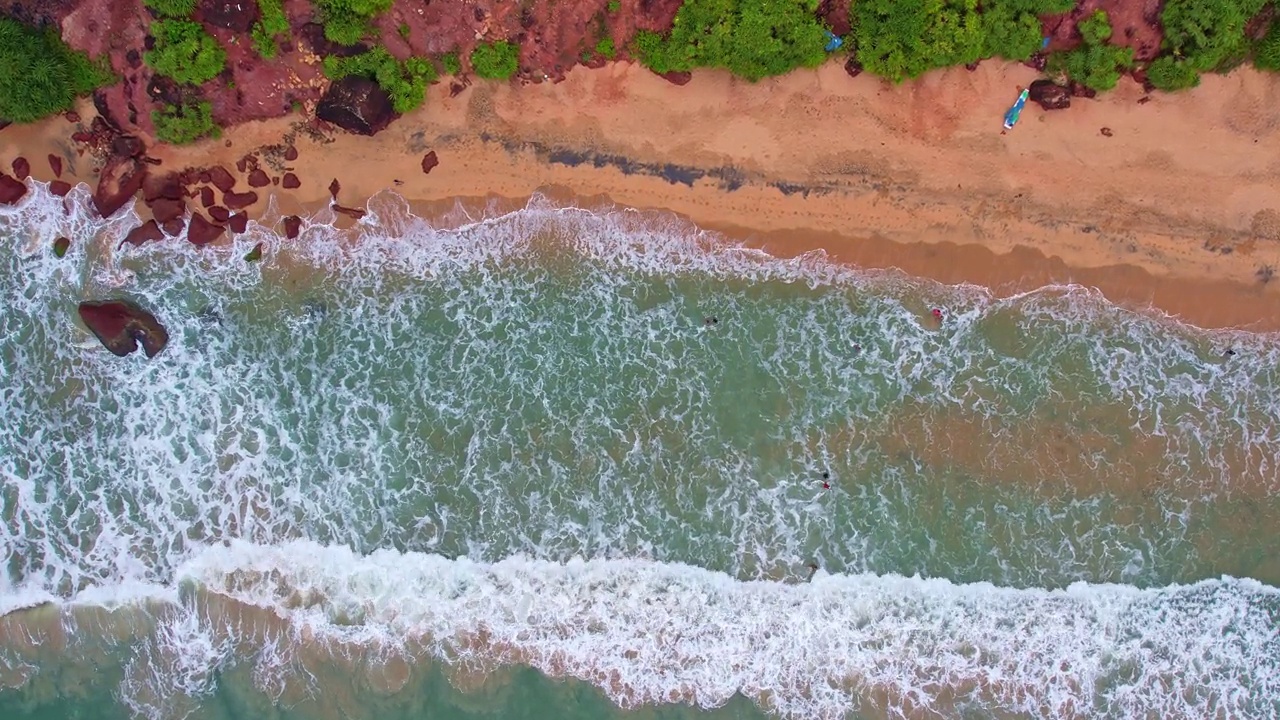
{"points": [[434, 386], [647, 632]]}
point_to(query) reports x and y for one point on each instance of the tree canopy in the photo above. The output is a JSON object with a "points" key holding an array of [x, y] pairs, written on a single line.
{"points": [[40, 75]]}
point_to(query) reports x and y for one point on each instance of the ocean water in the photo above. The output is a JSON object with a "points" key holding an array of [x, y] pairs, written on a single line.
{"points": [[555, 462]]}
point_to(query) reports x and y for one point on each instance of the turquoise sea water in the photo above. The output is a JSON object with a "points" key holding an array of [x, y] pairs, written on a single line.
{"points": [[506, 465]]}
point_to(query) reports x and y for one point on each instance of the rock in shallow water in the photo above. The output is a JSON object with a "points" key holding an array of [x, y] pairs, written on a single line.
{"points": [[11, 190], [120, 325]]}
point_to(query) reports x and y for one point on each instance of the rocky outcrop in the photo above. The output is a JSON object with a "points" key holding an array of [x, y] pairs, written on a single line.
{"points": [[21, 168], [238, 222], [166, 209], [676, 77], [127, 146], [55, 165], [239, 201], [60, 188], [120, 180], [235, 15], [219, 177], [11, 190], [202, 232], [350, 212], [358, 105], [292, 226], [290, 182], [1050, 95], [429, 161], [144, 233], [219, 214], [120, 325], [258, 178], [61, 246]]}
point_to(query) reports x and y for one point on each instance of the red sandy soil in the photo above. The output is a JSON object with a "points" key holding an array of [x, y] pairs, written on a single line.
{"points": [[1134, 23]]}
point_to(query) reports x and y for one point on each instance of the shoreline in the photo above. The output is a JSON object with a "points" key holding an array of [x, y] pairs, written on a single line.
{"points": [[1173, 210]]}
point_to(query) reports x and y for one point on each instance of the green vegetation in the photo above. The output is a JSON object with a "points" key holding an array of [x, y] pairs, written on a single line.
{"points": [[185, 52], [172, 8], [273, 25], [615, 5], [406, 82], [347, 21], [451, 64], [182, 124], [40, 75], [1097, 64], [749, 38], [1267, 55], [1208, 34], [1171, 74], [403, 30], [1096, 29], [904, 38], [605, 48], [496, 61]]}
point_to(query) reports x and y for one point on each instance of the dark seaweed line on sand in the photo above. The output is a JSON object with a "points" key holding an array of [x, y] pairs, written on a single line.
{"points": [[727, 178]]}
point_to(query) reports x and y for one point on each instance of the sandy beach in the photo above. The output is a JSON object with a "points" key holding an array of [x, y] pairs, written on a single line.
{"points": [[1175, 206]]}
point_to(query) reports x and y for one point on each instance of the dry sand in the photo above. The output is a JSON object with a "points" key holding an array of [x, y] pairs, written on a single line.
{"points": [[1178, 208]]}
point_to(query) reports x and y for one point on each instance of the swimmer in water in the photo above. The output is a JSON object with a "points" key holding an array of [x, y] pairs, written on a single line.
{"points": [[825, 477]]}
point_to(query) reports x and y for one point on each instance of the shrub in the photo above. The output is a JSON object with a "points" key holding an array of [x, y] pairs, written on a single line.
{"points": [[404, 31], [451, 64], [172, 8], [182, 124], [1095, 29], [606, 49], [749, 38], [1169, 73], [406, 82], [615, 5], [40, 75], [185, 52], [273, 25], [1207, 34], [1095, 66], [346, 22], [1267, 55], [899, 39], [1011, 28], [496, 61]]}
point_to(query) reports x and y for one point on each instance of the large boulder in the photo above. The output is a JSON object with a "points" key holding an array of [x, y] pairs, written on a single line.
{"points": [[11, 189], [1050, 95], [202, 232], [358, 105], [120, 180], [120, 325]]}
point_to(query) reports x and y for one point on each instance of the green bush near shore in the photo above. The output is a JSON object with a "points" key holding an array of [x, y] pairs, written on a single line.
{"points": [[496, 61], [182, 124], [1097, 64], [1208, 34], [901, 39], [346, 22], [451, 64], [749, 38], [406, 82], [1266, 56], [40, 75], [173, 8], [1171, 74], [606, 49], [272, 26], [185, 52]]}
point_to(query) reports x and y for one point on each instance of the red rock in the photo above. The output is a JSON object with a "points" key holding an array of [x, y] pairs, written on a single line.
{"points": [[291, 153], [356, 104], [119, 325], [173, 228], [219, 214], [334, 188], [60, 188], [61, 246], [206, 196], [242, 164], [676, 78], [852, 67], [55, 164], [203, 176], [21, 168], [164, 209], [356, 213], [238, 222], [290, 182], [202, 232], [292, 226], [72, 116], [119, 181], [239, 201], [429, 161], [258, 179], [11, 190], [146, 232], [163, 186], [221, 179], [127, 146]]}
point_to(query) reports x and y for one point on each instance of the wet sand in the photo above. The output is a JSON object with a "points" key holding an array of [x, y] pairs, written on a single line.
{"points": [[1176, 208]]}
